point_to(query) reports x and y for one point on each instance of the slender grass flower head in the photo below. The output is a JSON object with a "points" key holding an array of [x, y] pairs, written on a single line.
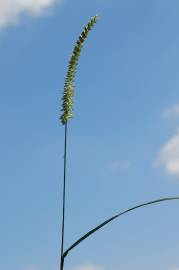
{"points": [[67, 99]]}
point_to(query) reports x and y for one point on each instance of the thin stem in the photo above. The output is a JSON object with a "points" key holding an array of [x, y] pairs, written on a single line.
{"points": [[64, 197]]}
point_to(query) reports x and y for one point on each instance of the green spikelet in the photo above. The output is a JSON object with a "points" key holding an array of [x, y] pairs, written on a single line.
{"points": [[67, 99]]}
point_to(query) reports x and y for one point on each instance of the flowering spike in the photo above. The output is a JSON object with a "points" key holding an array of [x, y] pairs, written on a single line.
{"points": [[67, 99]]}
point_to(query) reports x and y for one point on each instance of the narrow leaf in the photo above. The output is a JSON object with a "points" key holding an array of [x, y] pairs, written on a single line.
{"points": [[100, 226]]}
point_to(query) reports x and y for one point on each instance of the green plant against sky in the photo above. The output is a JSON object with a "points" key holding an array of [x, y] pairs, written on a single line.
{"points": [[67, 113]]}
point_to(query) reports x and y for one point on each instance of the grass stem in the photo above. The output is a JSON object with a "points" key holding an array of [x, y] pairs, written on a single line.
{"points": [[64, 199]]}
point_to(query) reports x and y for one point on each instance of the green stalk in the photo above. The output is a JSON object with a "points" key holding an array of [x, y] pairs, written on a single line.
{"points": [[64, 199], [67, 113]]}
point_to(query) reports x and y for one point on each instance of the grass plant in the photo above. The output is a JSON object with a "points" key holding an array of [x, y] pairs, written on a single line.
{"points": [[67, 113]]}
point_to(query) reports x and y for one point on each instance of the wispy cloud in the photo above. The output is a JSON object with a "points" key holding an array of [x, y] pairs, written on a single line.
{"points": [[89, 267], [171, 112], [115, 166], [11, 11], [31, 268], [168, 156]]}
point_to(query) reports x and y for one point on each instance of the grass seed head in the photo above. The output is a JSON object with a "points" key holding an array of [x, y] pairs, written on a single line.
{"points": [[67, 99]]}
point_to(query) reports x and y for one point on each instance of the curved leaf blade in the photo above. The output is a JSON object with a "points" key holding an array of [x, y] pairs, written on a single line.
{"points": [[100, 226]]}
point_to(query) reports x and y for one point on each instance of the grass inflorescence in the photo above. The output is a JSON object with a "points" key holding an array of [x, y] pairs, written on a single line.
{"points": [[67, 99]]}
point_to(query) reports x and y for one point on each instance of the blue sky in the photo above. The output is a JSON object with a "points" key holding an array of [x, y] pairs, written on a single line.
{"points": [[123, 144]]}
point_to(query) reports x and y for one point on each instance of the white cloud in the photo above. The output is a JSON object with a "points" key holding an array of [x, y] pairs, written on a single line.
{"points": [[11, 11], [88, 267], [171, 112], [116, 166], [168, 156]]}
